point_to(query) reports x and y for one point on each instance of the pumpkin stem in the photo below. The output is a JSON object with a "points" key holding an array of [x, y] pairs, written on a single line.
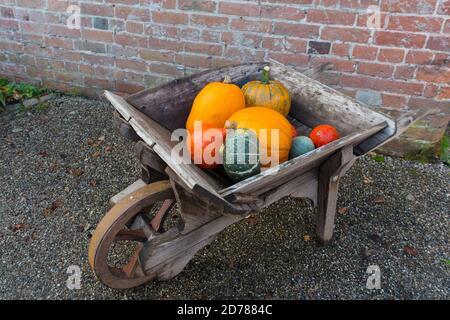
{"points": [[230, 125], [227, 80], [266, 75]]}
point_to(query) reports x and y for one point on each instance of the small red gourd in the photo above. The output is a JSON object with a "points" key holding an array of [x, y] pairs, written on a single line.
{"points": [[324, 134]]}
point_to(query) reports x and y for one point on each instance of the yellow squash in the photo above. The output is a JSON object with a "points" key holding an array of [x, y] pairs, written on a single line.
{"points": [[258, 118], [267, 93], [215, 103]]}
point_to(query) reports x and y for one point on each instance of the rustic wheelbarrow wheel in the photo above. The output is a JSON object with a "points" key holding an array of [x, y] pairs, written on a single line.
{"points": [[127, 221]]}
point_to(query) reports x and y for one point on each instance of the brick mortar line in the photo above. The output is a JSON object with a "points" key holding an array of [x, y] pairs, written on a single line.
{"points": [[187, 12], [190, 12], [259, 48], [411, 81], [168, 77], [321, 26]]}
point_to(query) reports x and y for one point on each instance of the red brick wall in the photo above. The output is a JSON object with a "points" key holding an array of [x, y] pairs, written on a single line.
{"points": [[125, 45]]}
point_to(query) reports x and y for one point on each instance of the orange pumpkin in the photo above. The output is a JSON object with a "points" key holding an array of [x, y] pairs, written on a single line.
{"points": [[267, 93], [257, 118], [199, 143], [215, 103]]}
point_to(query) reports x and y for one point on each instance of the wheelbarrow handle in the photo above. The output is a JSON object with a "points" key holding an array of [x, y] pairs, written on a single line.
{"points": [[404, 121], [394, 129]]}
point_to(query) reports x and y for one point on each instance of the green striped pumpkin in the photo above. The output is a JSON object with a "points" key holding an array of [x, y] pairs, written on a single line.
{"points": [[241, 158]]}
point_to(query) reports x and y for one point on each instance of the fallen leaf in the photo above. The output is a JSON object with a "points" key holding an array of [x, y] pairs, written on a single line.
{"points": [[56, 204], [367, 180], [76, 172], [93, 183], [342, 210], [19, 226], [47, 211], [90, 141], [306, 237], [43, 154], [108, 149], [252, 221], [379, 199], [34, 235], [96, 154], [53, 167], [411, 251]]}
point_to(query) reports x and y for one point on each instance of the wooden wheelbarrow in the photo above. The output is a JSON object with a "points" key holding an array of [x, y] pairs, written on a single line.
{"points": [[207, 201]]}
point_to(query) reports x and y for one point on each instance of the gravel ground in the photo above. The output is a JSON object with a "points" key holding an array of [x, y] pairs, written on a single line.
{"points": [[60, 166]]}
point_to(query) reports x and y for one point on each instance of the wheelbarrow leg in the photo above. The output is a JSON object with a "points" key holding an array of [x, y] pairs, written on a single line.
{"points": [[330, 173]]}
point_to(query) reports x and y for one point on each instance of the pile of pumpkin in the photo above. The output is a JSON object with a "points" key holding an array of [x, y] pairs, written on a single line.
{"points": [[241, 115]]}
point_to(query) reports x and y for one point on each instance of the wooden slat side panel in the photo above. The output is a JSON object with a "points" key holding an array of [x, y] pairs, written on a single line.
{"points": [[158, 138], [170, 104], [314, 103], [303, 186], [274, 177]]}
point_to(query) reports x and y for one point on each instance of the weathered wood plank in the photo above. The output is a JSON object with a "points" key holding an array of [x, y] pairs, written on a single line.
{"points": [[329, 175], [128, 190], [303, 186], [314, 103], [212, 204], [148, 157], [158, 138], [170, 104], [155, 255], [124, 128], [195, 211], [327, 197]]}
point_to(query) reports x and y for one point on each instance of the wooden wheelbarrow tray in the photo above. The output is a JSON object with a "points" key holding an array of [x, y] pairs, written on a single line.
{"points": [[208, 202]]}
